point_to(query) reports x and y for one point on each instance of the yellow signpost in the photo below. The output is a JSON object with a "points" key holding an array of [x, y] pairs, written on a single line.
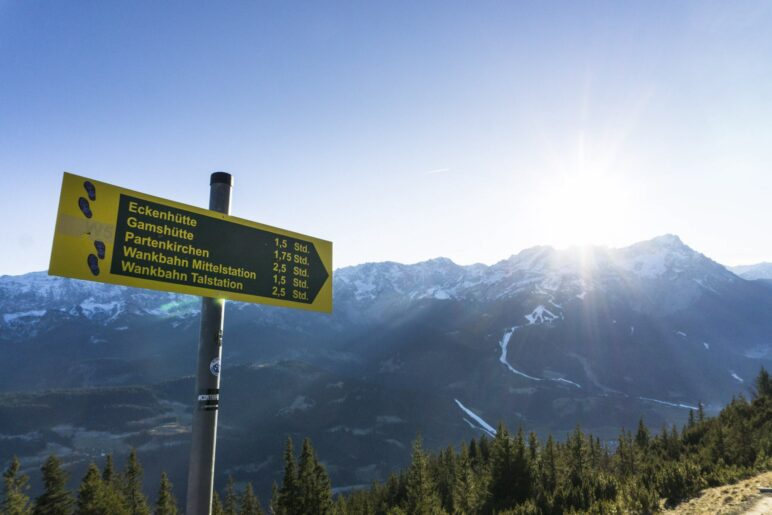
{"points": [[113, 235]]}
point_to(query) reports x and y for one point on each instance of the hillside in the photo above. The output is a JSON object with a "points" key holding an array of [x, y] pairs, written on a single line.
{"points": [[741, 498], [503, 472]]}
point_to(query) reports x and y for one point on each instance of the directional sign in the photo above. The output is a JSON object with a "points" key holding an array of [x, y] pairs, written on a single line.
{"points": [[109, 234]]}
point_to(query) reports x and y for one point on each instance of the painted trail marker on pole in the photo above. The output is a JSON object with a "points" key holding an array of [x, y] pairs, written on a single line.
{"points": [[113, 235]]}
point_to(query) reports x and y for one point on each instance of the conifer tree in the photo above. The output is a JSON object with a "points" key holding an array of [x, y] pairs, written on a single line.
{"points": [[547, 477], [15, 500], [421, 494], [762, 385], [323, 489], [672, 443], [395, 491], [132, 486], [274, 505], [97, 498], [231, 506], [306, 477], [626, 454], [113, 489], [502, 455], [678, 480], [444, 472], [474, 453], [675, 437], [717, 444], [90, 492], [166, 503], [577, 490], [467, 494], [108, 472], [55, 499], [485, 449], [287, 501], [340, 506], [593, 451], [313, 485], [510, 470], [217, 508], [739, 441], [522, 485], [642, 436], [249, 503], [638, 496], [533, 448]]}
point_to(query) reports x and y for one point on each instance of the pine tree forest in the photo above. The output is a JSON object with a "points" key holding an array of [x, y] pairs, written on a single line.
{"points": [[511, 473]]}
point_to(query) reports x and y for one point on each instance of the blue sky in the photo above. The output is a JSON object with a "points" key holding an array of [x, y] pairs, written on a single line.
{"points": [[400, 130]]}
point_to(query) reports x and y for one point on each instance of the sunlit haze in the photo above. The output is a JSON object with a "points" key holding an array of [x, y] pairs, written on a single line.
{"points": [[400, 131]]}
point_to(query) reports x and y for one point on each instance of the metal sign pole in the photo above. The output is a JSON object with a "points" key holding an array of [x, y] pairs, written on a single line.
{"points": [[202, 452]]}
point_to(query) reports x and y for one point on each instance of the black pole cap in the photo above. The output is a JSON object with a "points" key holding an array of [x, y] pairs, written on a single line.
{"points": [[222, 178]]}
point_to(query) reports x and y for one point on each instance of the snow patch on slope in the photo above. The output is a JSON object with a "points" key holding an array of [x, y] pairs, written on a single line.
{"points": [[483, 425], [504, 343], [540, 315], [702, 284], [670, 404], [564, 380], [441, 294], [11, 317]]}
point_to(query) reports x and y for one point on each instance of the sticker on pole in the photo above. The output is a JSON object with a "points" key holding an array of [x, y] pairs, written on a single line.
{"points": [[214, 366], [113, 235]]}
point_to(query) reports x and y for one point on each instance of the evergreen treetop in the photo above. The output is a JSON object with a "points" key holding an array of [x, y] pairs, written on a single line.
{"points": [[55, 499], [15, 484], [250, 505], [166, 503], [132, 486]]}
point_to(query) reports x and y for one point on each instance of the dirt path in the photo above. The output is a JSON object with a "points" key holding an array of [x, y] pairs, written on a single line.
{"points": [[762, 507], [742, 498]]}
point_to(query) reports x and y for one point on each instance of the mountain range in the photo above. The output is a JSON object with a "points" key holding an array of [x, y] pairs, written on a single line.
{"points": [[546, 339], [761, 271]]}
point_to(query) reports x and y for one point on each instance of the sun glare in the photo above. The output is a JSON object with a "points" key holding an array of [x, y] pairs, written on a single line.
{"points": [[584, 208]]}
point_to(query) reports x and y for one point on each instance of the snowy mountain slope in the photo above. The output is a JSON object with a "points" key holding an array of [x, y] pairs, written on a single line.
{"points": [[584, 304], [648, 269]]}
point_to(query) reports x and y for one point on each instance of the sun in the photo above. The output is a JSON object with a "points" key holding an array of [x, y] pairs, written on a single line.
{"points": [[584, 208]]}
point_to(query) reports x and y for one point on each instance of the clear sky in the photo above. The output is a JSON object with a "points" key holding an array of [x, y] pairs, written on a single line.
{"points": [[400, 130]]}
